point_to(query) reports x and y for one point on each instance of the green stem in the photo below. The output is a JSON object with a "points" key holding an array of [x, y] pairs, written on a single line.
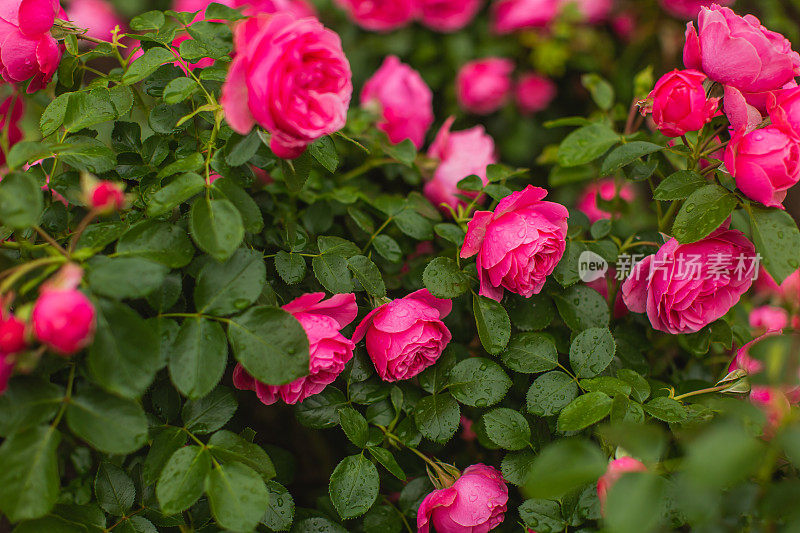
{"points": [[15, 273], [67, 397], [51, 241], [702, 391], [377, 232], [365, 167]]}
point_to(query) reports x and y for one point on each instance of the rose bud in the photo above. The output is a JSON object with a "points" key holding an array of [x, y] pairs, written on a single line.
{"points": [[329, 350], [518, 245], [615, 470], [784, 110], [460, 154], [684, 287], [513, 15], [447, 15], [404, 100], [679, 104], [475, 502], [483, 85], [739, 51], [12, 334], [765, 163], [405, 336], [379, 15], [296, 109], [768, 318], [534, 93], [689, 9], [64, 320], [106, 196], [606, 189], [11, 111]]}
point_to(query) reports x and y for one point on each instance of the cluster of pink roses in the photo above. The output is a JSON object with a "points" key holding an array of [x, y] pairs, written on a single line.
{"points": [[387, 15], [404, 337], [484, 85]]}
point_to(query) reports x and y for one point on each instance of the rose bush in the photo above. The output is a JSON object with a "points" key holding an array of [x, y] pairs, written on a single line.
{"points": [[233, 298]]}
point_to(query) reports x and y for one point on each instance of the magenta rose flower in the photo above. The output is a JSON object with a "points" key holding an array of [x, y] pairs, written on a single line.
{"points": [[684, 287], [405, 336], [784, 110], [27, 50], [768, 318], [534, 93], [679, 104], [329, 350], [97, 16], [12, 334], [689, 9], [615, 470], [404, 99], [476, 502], [460, 154], [379, 15], [11, 111], [447, 15], [483, 85], [513, 15], [765, 163], [289, 76], [606, 189], [739, 51], [64, 320], [518, 245]]}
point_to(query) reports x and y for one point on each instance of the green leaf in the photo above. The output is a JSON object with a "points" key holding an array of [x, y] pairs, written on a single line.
{"points": [[354, 486], [626, 154], [586, 144], [368, 274], [584, 411], [404, 152], [414, 225], [147, 64], [271, 345], [216, 226], [444, 279], [324, 151], [450, 232], [606, 384], [185, 164], [52, 117], [87, 154], [723, 455], [209, 413], [437, 417], [321, 410], [354, 426], [640, 388], [224, 289], [679, 185], [333, 273], [252, 218], [198, 357], [158, 241], [330, 245], [478, 382], [565, 465], [494, 326], [125, 354], [385, 457], [176, 192], [125, 277], [703, 212], [227, 447], [166, 442], [151, 20], [89, 108], [280, 512], [240, 149], [777, 239], [114, 489], [179, 90], [182, 481], [317, 525], [666, 409], [28, 401], [602, 92], [110, 424], [635, 503], [515, 466], [582, 307], [29, 482], [382, 519], [507, 428], [531, 314], [291, 267], [21, 202], [550, 393], [531, 353], [387, 248], [591, 352], [296, 171], [543, 515], [470, 183]]}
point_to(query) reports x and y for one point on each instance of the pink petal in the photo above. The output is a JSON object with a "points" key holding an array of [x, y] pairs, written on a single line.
{"points": [[234, 99], [443, 306], [476, 231], [36, 16]]}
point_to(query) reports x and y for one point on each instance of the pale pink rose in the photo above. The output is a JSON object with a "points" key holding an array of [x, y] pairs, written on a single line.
{"points": [[615, 470], [518, 245], [404, 99], [97, 16], [27, 50], [606, 189], [768, 318], [534, 93], [64, 320], [679, 104], [11, 111], [379, 15], [483, 85], [460, 154], [684, 287], [765, 163], [407, 335], [475, 503], [107, 196], [12, 334], [739, 51], [689, 9], [513, 15], [447, 15], [289, 76], [594, 11], [329, 350]]}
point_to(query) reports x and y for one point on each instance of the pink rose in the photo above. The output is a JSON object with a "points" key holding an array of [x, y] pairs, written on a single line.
{"points": [[679, 104], [291, 77], [460, 154], [405, 336], [97, 16], [684, 287], [765, 163], [739, 51], [447, 15], [518, 245], [27, 50], [768, 318], [476, 503], [689, 9], [329, 350], [775, 405], [624, 25], [534, 93], [615, 470], [404, 100], [379, 15], [594, 11], [784, 110], [12, 334], [107, 196], [606, 189], [64, 320], [483, 85], [11, 111], [788, 291], [513, 15]]}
